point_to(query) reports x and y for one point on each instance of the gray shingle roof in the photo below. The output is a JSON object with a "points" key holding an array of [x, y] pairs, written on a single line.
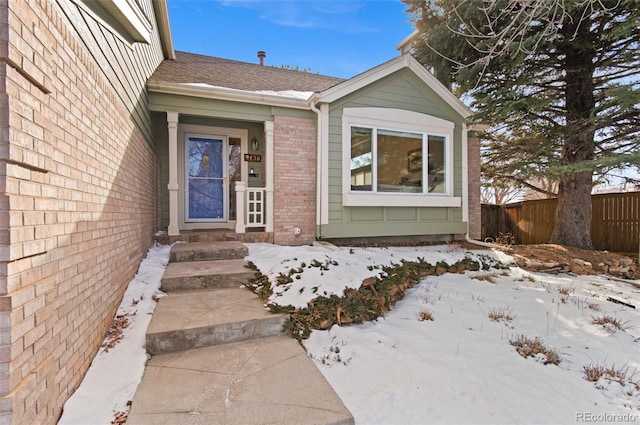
{"points": [[194, 68]]}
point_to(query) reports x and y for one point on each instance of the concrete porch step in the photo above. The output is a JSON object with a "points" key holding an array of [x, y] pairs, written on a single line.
{"points": [[211, 274], [183, 321], [203, 251], [211, 235], [262, 381]]}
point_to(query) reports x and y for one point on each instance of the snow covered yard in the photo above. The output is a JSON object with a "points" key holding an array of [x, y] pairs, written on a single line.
{"points": [[443, 355], [460, 367]]}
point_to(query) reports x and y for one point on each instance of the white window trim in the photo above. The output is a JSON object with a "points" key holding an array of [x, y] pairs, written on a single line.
{"points": [[123, 18], [396, 120]]}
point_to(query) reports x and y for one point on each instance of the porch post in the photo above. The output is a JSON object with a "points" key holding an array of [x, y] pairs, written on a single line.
{"points": [[172, 124], [240, 200], [269, 164]]}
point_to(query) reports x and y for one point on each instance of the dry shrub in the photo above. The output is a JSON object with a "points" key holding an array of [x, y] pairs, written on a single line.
{"points": [[593, 306], [498, 314], [610, 323], [621, 375], [425, 315], [487, 277], [528, 347], [565, 291]]}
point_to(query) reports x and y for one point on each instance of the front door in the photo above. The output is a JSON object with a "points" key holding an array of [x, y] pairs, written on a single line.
{"points": [[206, 174]]}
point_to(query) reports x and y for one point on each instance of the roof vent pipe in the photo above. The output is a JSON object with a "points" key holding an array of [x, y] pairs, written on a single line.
{"points": [[261, 56]]}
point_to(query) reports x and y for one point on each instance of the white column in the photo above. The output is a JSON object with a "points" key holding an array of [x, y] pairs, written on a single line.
{"points": [[173, 186], [268, 167], [241, 190]]}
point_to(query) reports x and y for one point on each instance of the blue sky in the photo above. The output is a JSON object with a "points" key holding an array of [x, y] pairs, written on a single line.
{"points": [[341, 38]]}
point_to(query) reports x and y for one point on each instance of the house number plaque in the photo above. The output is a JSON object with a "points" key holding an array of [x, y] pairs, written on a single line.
{"points": [[252, 157]]}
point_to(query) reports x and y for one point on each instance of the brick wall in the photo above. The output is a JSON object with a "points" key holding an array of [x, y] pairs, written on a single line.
{"points": [[295, 180], [78, 209], [475, 222]]}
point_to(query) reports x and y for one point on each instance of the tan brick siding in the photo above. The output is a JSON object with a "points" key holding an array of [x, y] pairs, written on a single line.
{"points": [[78, 209], [475, 223], [295, 180]]}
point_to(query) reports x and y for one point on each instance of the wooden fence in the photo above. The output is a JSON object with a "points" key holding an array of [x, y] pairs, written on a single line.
{"points": [[615, 221]]}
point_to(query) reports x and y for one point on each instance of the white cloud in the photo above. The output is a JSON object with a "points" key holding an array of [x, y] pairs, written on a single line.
{"points": [[337, 15]]}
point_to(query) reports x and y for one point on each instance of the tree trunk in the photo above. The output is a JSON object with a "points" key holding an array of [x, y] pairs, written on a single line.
{"points": [[573, 216]]}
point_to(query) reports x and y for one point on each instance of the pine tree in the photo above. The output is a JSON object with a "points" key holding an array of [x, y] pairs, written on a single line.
{"points": [[557, 80]]}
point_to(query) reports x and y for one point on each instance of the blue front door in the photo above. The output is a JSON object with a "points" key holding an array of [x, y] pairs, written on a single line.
{"points": [[206, 178]]}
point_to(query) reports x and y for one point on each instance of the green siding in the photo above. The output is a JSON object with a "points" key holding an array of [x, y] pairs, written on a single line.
{"points": [[401, 90], [367, 214], [161, 136], [402, 214], [127, 68], [360, 229]]}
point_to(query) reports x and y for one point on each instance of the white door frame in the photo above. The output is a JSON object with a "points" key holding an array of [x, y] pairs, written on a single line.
{"points": [[208, 131]]}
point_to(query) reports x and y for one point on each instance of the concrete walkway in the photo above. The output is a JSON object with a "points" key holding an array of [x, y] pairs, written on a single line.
{"points": [[218, 357]]}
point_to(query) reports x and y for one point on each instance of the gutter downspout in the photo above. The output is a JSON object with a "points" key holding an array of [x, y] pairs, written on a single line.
{"points": [[465, 175], [319, 170], [484, 244], [465, 186]]}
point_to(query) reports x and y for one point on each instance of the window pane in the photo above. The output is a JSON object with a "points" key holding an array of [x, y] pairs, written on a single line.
{"points": [[435, 167], [361, 158], [399, 166], [235, 162]]}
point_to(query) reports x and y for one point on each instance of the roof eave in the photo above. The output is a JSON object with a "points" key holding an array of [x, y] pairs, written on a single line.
{"points": [[405, 45], [161, 12], [232, 95]]}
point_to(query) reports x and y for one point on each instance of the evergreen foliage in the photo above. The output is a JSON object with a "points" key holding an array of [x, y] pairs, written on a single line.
{"points": [[374, 298], [558, 81]]}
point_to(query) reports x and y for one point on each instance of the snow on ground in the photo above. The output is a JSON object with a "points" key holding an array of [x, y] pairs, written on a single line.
{"points": [[115, 372], [460, 367], [457, 368]]}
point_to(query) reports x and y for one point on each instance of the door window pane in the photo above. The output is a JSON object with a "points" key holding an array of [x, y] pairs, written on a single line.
{"points": [[204, 158], [206, 198], [235, 162]]}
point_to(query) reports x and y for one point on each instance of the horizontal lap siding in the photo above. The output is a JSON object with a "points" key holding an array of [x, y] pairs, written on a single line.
{"points": [[125, 69], [402, 90], [79, 197]]}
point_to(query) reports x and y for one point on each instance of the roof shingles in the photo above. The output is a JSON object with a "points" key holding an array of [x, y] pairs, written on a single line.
{"points": [[193, 68]]}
